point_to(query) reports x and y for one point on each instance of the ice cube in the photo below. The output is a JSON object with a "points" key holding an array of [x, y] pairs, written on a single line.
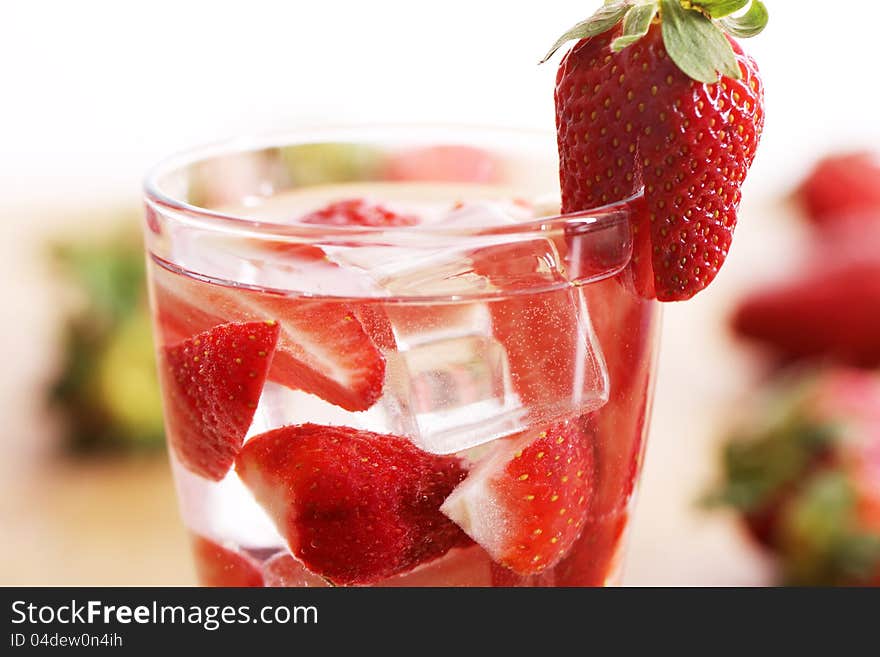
{"points": [[517, 349], [502, 366], [486, 213], [224, 510], [280, 406], [457, 390], [437, 264]]}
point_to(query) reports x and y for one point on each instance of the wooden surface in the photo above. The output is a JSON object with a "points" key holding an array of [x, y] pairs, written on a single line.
{"points": [[115, 521]]}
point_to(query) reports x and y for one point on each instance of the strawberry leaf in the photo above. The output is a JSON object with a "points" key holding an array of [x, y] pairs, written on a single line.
{"points": [[696, 44], [636, 24], [720, 8], [603, 20], [749, 24]]}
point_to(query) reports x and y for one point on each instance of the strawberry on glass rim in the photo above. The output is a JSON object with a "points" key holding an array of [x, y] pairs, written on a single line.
{"points": [[658, 96]]}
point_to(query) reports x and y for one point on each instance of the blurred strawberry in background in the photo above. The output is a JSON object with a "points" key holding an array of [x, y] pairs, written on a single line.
{"points": [[804, 469], [842, 189], [804, 472], [106, 390], [830, 308]]}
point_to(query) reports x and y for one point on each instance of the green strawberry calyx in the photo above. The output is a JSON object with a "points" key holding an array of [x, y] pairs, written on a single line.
{"points": [[693, 31]]}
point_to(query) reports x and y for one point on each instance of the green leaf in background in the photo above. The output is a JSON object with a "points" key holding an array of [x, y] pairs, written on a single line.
{"points": [[328, 162], [749, 24], [696, 44], [636, 24], [820, 537], [110, 275], [107, 388], [126, 380], [603, 20], [777, 445], [856, 556]]}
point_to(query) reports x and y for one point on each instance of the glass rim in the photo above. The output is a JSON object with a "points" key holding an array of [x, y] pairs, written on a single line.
{"points": [[215, 220]]}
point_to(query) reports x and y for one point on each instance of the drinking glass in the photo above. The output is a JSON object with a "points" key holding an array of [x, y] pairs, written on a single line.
{"points": [[387, 360]]}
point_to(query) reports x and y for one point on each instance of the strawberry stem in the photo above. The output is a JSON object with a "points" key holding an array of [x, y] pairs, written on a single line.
{"points": [[694, 31]]}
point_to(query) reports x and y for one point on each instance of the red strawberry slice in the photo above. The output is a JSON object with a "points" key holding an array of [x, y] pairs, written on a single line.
{"points": [[527, 502], [220, 566], [283, 571], [211, 385], [630, 117], [448, 163], [843, 188], [322, 347], [828, 312], [354, 506], [358, 212]]}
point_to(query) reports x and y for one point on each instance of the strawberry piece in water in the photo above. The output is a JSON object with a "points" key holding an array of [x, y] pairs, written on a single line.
{"points": [[211, 385], [220, 566], [358, 212], [354, 506], [526, 502], [322, 347], [443, 164]]}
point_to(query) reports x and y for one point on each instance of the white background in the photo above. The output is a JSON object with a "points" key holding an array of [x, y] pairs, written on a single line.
{"points": [[95, 92]]}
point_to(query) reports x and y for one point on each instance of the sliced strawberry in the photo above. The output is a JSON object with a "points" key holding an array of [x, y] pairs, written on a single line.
{"points": [[843, 188], [220, 566], [283, 571], [832, 313], [322, 347], [211, 385], [354, 506], [443, 164], [527, 502], [358, 212]]}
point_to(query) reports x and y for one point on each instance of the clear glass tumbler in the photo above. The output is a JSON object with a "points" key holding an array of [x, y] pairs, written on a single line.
{"points": [[386, 360]]}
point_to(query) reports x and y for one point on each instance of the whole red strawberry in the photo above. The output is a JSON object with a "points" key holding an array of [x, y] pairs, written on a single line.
{"points": [[656, 96]]}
